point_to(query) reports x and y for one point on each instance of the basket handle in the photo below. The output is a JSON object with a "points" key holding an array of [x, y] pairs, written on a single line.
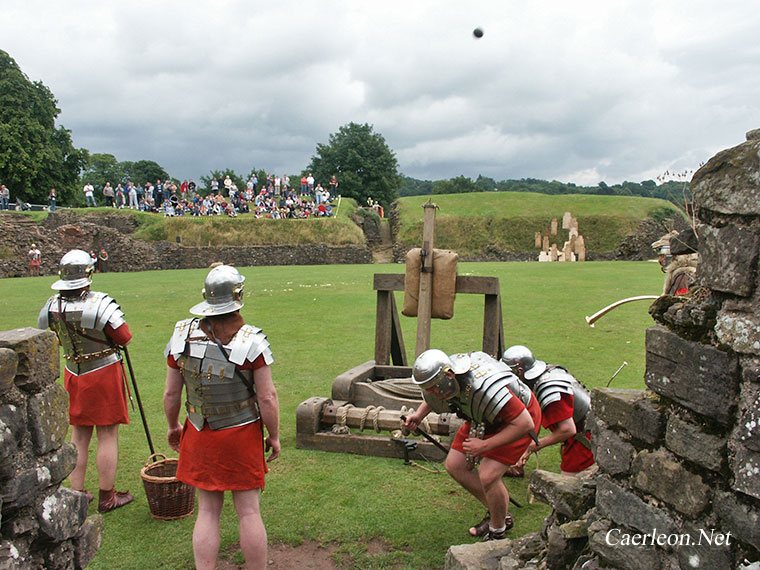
{"points": [[152, 458]]}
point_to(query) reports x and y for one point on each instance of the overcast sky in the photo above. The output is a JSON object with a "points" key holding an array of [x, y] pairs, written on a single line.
{"points": [[576, 91]]}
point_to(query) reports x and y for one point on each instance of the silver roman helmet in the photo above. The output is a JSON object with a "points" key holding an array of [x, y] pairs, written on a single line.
{"points": [[75, 271], [522, 362], [429, 373], [223, 292]]}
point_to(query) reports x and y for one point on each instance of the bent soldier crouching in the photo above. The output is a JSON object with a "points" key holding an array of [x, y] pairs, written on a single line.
{"points": [[224, 365], [501, 416], [90, 327], [565, 404]]}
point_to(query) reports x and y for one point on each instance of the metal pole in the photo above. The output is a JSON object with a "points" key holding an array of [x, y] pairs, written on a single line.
{"points": [[139, 402]]}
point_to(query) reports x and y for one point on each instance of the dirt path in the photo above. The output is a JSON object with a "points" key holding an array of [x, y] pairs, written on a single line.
{"points": [[383, 253]]}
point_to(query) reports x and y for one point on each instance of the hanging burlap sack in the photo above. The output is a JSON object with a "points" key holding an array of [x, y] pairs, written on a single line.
{"points": [[444, 283]]}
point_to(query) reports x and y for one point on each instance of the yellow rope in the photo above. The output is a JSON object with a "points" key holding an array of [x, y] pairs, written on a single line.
{"points": [[342, 416]]}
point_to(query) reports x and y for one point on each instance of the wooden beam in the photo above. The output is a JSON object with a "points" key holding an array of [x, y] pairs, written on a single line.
{"points": [[425, 299]]}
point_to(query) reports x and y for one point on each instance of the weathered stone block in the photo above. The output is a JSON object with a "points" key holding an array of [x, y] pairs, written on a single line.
{"points": [[750, 369], [574, 529], [477, 556], [633, 410], [8, 445], [60, 462], [748, 429], [38, 357], [728, 257], [22, 522], [704, 549], [62, 514], [659, 474], [728, 182], [48, 416], [21, 490], [690, 442], [628, 509], [562, 551], [14, 555], [60, 557], [612, 453], [14, 417], [88, 541], [746, 467], [740, 331], [741, 519], [605, 539], [697, 376], [8, 367], [568, 495]]}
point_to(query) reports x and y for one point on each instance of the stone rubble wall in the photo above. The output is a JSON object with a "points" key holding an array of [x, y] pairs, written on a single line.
{"points": [[62, 231], [679, 461], [42, 524]]}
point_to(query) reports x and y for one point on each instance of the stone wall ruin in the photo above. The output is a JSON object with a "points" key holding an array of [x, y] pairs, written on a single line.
{"points": [[42, 524], [678, 485]]}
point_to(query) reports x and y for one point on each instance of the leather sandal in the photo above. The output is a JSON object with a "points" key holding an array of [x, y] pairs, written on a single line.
{"points": [[509, 521], [482, 527], [113, 499], [492, 535]]}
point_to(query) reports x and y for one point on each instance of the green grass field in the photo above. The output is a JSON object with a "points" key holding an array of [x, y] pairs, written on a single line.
{"points": [[320, 321], [472, 224]]}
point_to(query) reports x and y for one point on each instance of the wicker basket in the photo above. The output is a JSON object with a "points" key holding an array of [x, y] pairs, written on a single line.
{"points": [[168, 497]]}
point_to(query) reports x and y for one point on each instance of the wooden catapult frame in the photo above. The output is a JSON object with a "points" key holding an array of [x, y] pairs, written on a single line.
{"points": [[356, 403]]}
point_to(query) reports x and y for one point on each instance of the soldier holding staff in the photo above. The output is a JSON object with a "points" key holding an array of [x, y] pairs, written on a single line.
{"points": [[91, 327]]}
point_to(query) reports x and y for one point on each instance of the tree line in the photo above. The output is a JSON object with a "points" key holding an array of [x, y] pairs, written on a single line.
{"points": [[674, 191]]}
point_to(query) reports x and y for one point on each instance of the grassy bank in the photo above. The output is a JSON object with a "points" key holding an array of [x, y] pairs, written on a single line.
{"points": [[474, 223], [320, 321]]}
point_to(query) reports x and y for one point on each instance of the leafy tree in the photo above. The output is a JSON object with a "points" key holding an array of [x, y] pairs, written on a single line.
{"points": [[35, 156], [413, 187], [457, 185], [362, 162], [102, 168], [144, 171], [205, 187]]}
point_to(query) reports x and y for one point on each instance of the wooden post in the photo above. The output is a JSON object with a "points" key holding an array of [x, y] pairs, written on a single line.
{"points": [[425, 303]]}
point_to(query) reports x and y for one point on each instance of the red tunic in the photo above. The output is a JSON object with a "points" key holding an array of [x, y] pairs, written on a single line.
{"points": [[99, 398], [575, 456], [510, 453], [230, 459]]}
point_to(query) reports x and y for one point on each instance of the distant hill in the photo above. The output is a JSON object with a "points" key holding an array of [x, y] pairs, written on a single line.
{"points": [[502, 225]]}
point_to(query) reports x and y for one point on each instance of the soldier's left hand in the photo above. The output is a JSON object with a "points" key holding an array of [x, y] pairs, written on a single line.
{"points": [[475, 446]]}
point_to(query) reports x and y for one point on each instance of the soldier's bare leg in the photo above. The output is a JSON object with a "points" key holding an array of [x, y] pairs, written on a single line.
{"points": [[490, 474], [80, 437], [206, 530], [108, 455], [253, 535], [456, 466]]}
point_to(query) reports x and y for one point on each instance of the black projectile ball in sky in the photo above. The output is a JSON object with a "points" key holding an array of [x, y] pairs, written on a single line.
{"points": [[477, 32]]}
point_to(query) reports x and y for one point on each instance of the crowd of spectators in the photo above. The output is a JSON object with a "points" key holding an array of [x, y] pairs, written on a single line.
{"points": [[275, 198]]}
